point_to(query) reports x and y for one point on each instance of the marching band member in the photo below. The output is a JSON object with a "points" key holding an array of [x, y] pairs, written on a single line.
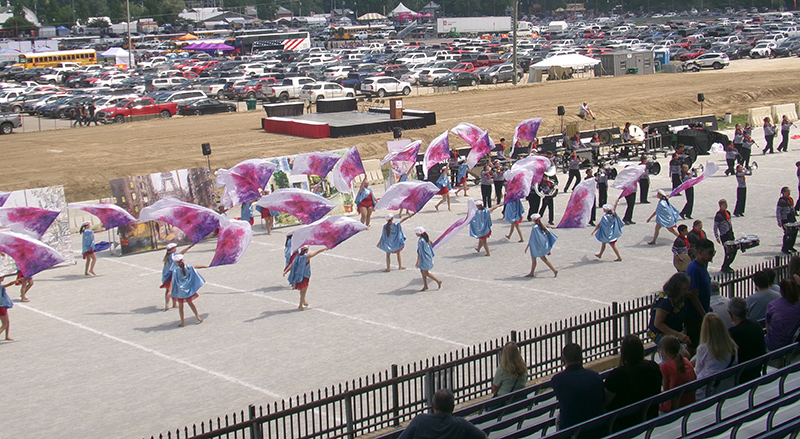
{"points": [[723, 231], [786, 215]]}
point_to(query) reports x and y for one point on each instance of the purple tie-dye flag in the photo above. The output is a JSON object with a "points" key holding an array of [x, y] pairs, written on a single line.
{"points": [[315, 163], [456, 227], [30, 255], [31, 221], [348, 168], [518, 184], [195, 221], [110, 215], [329, 232], [304, 205], [437, 152], [234, 237], [526, 130], [711, 169], [579, 206], [411, 195], [244, 181]]}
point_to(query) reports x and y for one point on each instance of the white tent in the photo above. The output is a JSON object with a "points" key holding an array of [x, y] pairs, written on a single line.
{"points": [[120, 56], [371, 16], [400, 9], [572, 60]]}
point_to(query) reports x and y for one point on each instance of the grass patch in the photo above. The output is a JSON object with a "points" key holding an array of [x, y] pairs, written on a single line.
{"points": [[737, 118]]}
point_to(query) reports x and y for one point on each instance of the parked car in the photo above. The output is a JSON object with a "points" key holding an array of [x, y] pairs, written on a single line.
{"points": [[8, 122], [384, 85], [462, 78], [787, 48], [499, 73], [708, 60], [427, 76], [763, 50], [325, 90], [205, 106]]}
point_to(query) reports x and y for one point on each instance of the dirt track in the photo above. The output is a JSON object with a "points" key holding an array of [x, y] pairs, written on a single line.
{"points": [[84, 160]]}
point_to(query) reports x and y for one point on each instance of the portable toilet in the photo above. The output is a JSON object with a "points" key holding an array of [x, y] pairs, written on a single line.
{"points": [[662, 57]]}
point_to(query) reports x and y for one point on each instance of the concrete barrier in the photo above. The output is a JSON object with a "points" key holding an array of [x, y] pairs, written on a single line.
{"points": [[756, 115], [788, 110]]}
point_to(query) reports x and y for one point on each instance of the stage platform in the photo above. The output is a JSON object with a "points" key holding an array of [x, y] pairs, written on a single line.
{"points": [[342, 124]]}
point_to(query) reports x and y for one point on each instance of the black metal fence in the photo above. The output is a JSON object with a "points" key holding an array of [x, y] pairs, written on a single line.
{"points": [[380, 401]]}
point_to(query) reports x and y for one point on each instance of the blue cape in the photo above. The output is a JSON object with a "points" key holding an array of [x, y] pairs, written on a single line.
{"points": [[396, 239], [610, 228], [425, 252], [514, 211], [541, 241], [481, 223], [186, 286]]}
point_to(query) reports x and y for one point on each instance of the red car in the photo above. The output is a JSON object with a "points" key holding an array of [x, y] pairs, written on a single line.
{"points": [[203, 66], [692, 55], [464, 67]]}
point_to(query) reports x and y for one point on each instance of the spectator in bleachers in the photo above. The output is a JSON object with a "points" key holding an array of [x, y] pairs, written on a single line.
{"points": [[717, 352], [676, 370], [701, 284], [634, 380], [783, 316], [579, 391], [441, 424], [667, 314], [748, 335], [512, 374], [719, 304], [758, 301]]}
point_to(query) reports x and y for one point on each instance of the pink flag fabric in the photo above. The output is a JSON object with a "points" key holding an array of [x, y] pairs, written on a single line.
{"points": [[406, 154], [411, 195], [304, 205], [195, 221], [31, 221], [233, 239], [579, 206], [628, 179], [537, 164], [348, 168], [3, 197], [526, 130], [30, 255], [518, 184], [479, 141], [711, 169], [314, 163], [243, 181], [457, 226], [437, 152], [330, 232], [109, 214]]}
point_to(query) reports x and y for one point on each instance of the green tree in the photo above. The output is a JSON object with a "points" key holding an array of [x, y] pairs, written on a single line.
{"points": [[18, 23], [99, 23], [82, 10]]}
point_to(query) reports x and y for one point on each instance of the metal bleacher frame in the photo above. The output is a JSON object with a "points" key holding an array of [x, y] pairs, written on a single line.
{"points": [[674, 394]]}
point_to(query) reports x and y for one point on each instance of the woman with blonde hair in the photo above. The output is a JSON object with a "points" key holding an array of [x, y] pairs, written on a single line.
{"points": [[717, 352], [511, 375]]}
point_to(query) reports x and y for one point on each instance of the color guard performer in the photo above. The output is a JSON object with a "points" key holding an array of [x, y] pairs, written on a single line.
{"points": [[540, 244], [608, 230], [666, 216]]}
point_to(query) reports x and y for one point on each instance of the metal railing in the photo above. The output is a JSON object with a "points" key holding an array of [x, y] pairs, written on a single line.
{"points": [[382, 401]]}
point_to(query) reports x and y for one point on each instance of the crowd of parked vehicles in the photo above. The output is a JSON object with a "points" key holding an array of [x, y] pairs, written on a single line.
{"points": [[195, 83]]}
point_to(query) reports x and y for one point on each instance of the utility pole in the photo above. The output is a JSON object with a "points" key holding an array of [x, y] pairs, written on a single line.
{"points": [[514, 42]]}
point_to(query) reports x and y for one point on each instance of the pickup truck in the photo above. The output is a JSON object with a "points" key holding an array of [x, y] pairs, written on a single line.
{"points": [[136, 108], [9, 121], [354, 80], [288, 89]]}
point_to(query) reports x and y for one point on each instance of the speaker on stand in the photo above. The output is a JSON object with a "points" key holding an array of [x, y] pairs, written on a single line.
{"points": [[562, 112], [701, 98], [206, 148]]}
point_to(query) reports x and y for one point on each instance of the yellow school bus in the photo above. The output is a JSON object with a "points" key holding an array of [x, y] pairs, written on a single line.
{"points": [[52, 59]]}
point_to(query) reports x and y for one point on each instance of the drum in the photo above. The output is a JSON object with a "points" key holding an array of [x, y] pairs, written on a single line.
{"points": [[748, 242], [792, 225], [734, 245]]}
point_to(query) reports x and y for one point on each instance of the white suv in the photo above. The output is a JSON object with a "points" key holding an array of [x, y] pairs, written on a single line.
{"points": [[712, 60], [325, 90], [762, 50], [384, 85]]}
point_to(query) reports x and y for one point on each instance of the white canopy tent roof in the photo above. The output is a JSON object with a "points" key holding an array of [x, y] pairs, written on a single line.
{"points": [[120, 56], [401, 8], [371, 16], [572, 60]]}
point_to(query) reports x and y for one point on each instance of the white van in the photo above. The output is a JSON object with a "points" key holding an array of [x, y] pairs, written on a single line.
{"points": [[180, 97]]}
